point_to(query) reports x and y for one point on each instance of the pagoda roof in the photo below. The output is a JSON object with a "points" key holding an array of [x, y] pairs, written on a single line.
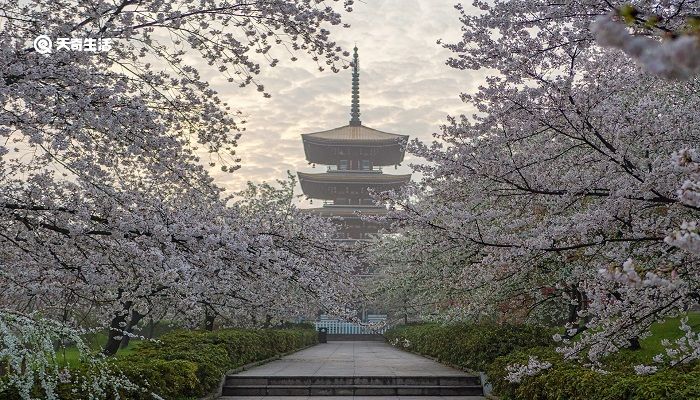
{"points": [[350, 134], [354, 141], [355, 177], [347, 211], [325, 185]]}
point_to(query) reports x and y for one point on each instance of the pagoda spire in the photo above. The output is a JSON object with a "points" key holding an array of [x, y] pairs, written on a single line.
{"points": [[355, 105]]}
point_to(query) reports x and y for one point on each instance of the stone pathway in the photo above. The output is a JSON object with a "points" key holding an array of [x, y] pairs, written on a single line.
{"points": [[352, 359], [352, 398]]}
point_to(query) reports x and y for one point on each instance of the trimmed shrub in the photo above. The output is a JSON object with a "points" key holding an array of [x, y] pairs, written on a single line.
{"points": [[170, 379], [491, 348], [468, 346], [567, 380], [190, 364]]}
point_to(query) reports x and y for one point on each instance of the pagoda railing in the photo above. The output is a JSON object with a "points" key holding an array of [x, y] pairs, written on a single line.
{"points": [[375, 325], [359, 207], [377, 170]]}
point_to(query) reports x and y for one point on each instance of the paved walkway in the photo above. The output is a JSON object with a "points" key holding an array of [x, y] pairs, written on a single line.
{"points": [[352, 398], [352, 359]]}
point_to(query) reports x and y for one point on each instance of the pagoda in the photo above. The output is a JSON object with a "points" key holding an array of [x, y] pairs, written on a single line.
{"points": [[354, 155]]}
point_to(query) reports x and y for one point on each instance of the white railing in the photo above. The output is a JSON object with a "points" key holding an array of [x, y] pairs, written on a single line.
{"points": [[374, 325]]}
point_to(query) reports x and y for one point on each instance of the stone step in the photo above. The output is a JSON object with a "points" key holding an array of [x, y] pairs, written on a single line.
{"points": [[347, 397], [339, 337], [457, 380], [352, 390]]}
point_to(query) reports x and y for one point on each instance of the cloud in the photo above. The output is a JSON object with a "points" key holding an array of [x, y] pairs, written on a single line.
{"points": [[405, 87]]}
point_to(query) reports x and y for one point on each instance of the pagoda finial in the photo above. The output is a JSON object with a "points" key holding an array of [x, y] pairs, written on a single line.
{"points": [[355, 105]]}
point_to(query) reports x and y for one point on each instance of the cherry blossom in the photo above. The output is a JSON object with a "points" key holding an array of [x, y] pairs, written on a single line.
{"points": [[534, 366], [109, 214], [553, 200]]}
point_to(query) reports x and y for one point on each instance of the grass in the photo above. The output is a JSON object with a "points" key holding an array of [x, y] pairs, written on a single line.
{"points": [[669, 329], [651, 346], [95, 341], [71, 356]]}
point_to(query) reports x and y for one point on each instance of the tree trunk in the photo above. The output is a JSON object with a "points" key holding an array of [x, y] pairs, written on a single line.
{"points": [[136, 317], [634, 344], [573, 318], [151, 327], [405, 312], [209, 318], [116, 328]]}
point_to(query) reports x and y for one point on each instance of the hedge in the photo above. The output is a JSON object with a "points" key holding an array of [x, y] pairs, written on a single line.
{"points": [[468, 346], [190, 364], [570, 381], [491, 348]]}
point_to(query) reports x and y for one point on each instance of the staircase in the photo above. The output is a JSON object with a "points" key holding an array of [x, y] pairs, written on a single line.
{"points": [[458, 385]]}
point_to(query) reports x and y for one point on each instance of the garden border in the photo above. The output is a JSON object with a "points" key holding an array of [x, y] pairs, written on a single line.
{"points": [[484, 378], [217, 392]]}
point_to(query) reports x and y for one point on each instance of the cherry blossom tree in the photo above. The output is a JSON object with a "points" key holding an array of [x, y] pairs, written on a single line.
{"points": [[558, 197], [662, 37], [28, 355], [108, 211], [292, 268]]}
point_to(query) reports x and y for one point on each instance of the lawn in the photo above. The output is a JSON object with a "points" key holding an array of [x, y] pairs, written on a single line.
{"points": [[70, 356], [668, 329], [651, 346]]}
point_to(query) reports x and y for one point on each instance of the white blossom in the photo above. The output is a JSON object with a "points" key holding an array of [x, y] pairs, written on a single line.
{"points": [[516, 372]]}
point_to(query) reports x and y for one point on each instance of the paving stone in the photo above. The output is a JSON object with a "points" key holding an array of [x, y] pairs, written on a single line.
{"points": [[353, 398], [353, 358], [336, 370]]}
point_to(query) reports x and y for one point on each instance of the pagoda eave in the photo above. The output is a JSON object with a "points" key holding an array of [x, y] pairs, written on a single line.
{"points": [[380, 154], [358, 177], [356, 142], [329, 186], [355, 133], [354, 212]]}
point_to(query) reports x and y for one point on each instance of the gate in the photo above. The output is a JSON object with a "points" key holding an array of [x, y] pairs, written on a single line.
{"points": [[374, 326]]}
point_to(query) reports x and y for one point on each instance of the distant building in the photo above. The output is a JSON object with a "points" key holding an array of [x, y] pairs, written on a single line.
{"points": [[354, 155]]}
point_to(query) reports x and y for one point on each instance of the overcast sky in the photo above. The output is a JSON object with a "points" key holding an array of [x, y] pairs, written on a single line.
{"points": [[405, 87]]}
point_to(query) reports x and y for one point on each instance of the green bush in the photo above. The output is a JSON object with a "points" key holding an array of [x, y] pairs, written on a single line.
{"points": [[468, 346], [491, 348], [190, 364], [570, 381]]}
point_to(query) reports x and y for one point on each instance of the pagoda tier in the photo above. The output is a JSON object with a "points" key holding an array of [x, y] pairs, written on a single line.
{"points": [[354, 142], [355, 154], [349, 187], [348, 211], [351, 225]]}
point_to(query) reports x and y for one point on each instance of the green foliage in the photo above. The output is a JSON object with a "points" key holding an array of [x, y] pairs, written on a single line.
{"points": [[669, 330], [183, 364], [190, 364], [491, 348], [571, 381], [468, 346], [170, 379], [69, 355]]}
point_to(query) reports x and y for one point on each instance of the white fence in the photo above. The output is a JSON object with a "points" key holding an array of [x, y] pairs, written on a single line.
{"points": [[375, 325]]}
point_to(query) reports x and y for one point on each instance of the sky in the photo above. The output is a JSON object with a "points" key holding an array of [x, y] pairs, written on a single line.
{"points": [[405, 87]]}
